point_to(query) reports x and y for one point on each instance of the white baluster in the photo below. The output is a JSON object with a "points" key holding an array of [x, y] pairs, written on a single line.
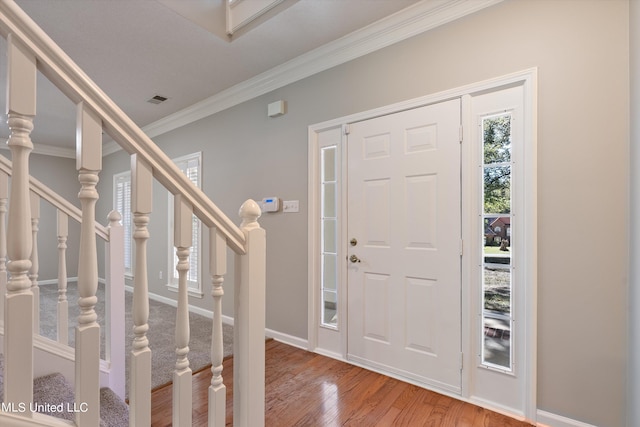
{"points": [[114, 295], [18, 316], [89, 164], [217, 268], [183, 229], [4, 195], [35, 265], [63, 304], [249, 323], [140, 384]]}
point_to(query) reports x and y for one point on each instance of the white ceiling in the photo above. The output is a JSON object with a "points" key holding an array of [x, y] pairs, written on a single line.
{"points": [[135, 49]]}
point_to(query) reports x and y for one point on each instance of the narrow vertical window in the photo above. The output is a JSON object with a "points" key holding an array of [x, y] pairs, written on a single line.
{"points": [[122, 203], [497, 256], [328, 224]]}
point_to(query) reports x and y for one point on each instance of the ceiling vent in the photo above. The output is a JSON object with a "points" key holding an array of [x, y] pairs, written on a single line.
{"points": [[158, 99]]}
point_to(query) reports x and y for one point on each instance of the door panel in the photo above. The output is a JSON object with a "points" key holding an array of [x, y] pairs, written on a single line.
{"points": [[404, 210]]}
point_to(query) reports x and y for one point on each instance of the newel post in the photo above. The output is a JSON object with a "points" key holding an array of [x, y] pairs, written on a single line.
{"points": [[249, 322], [18, 314]]}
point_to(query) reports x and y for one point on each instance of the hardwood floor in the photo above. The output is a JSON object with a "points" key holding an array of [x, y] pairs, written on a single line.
{"points": [[306, 389]]}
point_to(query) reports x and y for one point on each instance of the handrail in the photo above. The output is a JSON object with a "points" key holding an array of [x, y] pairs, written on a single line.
{"points": [[54, 198], [75, 84]]}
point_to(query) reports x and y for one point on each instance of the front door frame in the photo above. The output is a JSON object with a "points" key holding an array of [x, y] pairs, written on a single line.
{"points": [[333, 341]]}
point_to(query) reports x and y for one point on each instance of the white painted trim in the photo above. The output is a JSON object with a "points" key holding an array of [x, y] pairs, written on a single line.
{"points": [[547, 419], [49, 150], [174, 303], [55, 281], [496, 407], [329, 354], [528, 79], [192, 292], [409, 22], [470, 89], [9, 419], [287, 339], [276, 335], [313, 237]]}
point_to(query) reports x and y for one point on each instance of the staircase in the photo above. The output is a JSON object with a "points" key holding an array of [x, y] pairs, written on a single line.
{"points": [[26, 355], [54, 396]]}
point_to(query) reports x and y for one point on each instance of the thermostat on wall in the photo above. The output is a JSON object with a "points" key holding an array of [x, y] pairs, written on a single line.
{"points": [[270, 204]]}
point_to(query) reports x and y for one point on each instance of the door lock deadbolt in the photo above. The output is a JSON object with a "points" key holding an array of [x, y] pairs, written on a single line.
{"points": [[353, 241]]}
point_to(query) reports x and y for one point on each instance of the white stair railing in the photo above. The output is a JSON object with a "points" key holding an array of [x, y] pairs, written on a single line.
{"points": [[18, 316], [63, 304], [35, 266], [4, 196], [64, 211], [113, 235], [29, 48], [217, 269], [140, 384], [182, 394], [89, 164]]}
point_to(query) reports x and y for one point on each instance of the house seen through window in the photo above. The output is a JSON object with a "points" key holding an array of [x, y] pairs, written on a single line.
{"points": [[497, 254]]}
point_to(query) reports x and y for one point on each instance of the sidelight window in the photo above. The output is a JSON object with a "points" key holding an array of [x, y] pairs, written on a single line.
{"points": [[497, 256], [328, 232]]}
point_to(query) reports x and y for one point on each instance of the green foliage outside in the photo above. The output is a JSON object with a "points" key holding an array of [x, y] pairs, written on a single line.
{"points": [[497, 175]]}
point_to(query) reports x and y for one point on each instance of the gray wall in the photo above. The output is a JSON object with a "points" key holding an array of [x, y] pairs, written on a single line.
{"points": [[581, 51], [60, 175]]}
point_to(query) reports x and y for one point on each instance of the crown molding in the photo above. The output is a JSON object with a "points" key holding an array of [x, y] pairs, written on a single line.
{"points": [[414, 20], [48, 150]]}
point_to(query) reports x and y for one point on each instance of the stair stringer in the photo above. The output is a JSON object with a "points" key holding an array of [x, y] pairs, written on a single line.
{"points": [[52, 357], [8, 419]]}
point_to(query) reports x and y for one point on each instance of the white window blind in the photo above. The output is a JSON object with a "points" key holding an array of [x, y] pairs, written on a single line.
{"points": [[190, 166], [122, 203]]}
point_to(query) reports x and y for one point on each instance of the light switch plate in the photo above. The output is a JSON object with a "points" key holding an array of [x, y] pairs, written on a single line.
{"points": [[291, 206]]}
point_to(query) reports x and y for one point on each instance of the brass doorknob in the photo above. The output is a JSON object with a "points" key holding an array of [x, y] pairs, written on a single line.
{"points": [[354, 258]]}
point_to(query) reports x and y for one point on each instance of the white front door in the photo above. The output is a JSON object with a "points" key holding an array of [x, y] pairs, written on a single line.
{"points": [[404, 228]]}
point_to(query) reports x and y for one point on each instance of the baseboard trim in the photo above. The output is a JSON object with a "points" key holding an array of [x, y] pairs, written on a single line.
{"points": [[278, 336], [69, 280], [287, 339], [548, 419]]}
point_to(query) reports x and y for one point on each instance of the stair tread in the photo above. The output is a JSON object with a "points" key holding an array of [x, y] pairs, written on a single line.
{"points": [[54, 396]]}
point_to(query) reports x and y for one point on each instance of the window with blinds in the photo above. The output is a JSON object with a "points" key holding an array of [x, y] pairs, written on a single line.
{"points": [[122, 203], [190, 166]]}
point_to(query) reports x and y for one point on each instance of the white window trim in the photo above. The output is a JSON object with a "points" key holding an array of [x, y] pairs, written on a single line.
{"points": [[127, 221], [194, 287], [334, 345]]}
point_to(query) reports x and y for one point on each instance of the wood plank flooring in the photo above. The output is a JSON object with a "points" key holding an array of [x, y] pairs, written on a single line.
{"points": [[306, 389]]}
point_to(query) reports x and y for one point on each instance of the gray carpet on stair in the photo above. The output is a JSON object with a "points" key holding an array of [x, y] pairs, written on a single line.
{"points": [[54, 396], [161, 332], [54, 389]]}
